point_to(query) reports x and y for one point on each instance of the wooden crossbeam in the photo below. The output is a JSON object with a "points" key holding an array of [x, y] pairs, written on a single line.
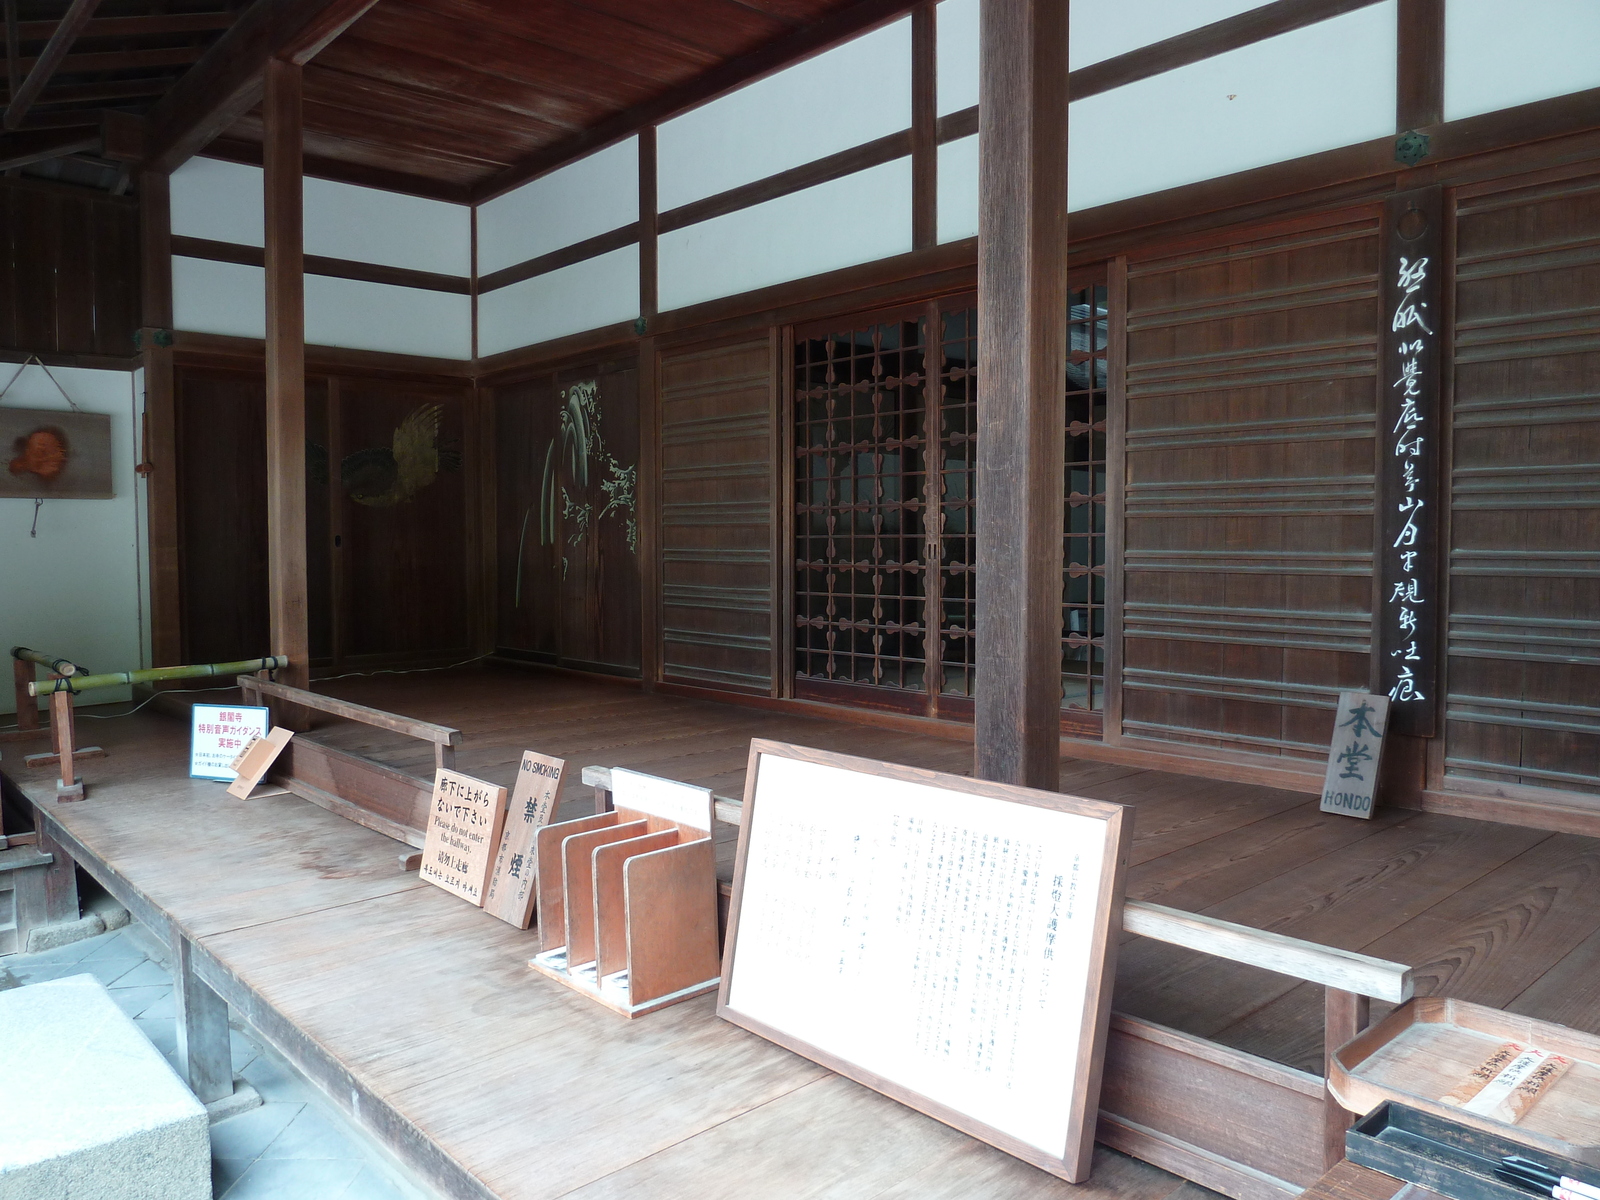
{"points": [[55, 50], [159, 25], [22, 150], [228, 80], [124, 60]]}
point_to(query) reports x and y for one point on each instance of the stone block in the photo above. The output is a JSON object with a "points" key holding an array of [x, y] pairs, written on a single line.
{"points": [[89, 1109]]}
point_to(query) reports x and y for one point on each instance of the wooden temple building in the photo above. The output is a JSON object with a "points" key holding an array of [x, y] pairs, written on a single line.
{"points": [[1076, 395]]}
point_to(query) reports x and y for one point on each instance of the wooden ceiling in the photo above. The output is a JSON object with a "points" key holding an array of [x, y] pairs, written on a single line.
{"points": [[460, 99]]}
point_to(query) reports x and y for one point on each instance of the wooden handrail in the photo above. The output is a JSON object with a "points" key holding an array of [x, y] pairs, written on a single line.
{"points": [[439, 735], [1328, 965]]}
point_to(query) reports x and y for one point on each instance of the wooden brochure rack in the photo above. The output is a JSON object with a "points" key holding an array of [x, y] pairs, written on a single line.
{"points": [[628, 899]]}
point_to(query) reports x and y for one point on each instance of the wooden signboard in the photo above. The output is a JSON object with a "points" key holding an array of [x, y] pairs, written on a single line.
{"points": [[514, 882], [465, 818], [628, 899], [1352, 778], [947, 941], [255, 759], [55, 455]]}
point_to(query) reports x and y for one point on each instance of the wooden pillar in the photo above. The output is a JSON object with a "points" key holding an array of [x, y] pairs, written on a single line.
{"points": [[286, 375], [1345, 1014], [204, 1054], [159, 450], [1022, 349]]}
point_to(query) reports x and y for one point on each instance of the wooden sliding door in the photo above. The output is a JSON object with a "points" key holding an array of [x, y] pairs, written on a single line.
{"points": [[1248, 499], [568, 538], [1522, 710]]}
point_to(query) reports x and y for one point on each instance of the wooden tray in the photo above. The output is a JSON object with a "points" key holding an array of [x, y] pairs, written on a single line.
{"points": [[1428, 1045], [1444, 1156]]}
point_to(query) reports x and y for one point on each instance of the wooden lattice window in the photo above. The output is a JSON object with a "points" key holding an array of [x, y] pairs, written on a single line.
{"points": [[1083, 593], [886, 427], [859, 535]]}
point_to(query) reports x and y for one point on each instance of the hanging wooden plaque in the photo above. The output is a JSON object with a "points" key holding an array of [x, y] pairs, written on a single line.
{"points": [[514, 882], [465, 818], [1410, 429]]}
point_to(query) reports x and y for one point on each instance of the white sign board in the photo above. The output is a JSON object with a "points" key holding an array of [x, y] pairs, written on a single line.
{"points": [[218, 733], [944, 940], [665, 798], [1352, 777]]}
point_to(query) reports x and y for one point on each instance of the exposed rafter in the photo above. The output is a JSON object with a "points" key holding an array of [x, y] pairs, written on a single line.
{"points": [[159, 25], [55, 50], [13, 50], [227, 81]]}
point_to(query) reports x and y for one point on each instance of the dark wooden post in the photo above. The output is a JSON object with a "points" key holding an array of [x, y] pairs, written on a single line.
{"points": [[1022, 349], [286, 376], [204, 1051], [160, 445]]}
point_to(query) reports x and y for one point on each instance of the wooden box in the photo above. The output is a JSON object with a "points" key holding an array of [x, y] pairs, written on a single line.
{"points": [[1428, 1045], [1445, 1156]]}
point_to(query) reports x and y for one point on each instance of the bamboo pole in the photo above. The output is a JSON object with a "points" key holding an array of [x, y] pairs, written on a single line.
{"points": [[60, 666], [156, 674]]}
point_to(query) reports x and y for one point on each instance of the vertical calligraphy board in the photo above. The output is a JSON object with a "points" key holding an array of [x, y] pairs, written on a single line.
{"points": [[1351, 782], [1406, 616], [514, 882], [946, 941], [465, 818]]}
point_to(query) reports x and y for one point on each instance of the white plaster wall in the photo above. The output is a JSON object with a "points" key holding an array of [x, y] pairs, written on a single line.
{"points": [[1331, 84], [587, 295], [372, 226], [219, 297], [1099, 30], [958, 189], [1498, 55], [849, 95], [856, 219], [358, 315], [218, 200], [222, 201], [78, 589], [591, 196]]}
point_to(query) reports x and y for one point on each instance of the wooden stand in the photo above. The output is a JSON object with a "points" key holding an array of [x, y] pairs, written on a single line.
{"points": [[628, 902], [63, 738]]}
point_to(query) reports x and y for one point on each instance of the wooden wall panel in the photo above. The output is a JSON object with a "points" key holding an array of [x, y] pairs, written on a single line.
{"points": [[222, 505], [567, 533], [716, 516], [69, 270], [404, 572], [1523, 695], [1248, 501]]}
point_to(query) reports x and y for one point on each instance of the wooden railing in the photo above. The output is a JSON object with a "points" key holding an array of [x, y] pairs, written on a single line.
{"points": [[1237, 1123], [358, 788]]}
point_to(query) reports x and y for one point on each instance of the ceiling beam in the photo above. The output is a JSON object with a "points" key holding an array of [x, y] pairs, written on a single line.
{"points": [[25, 149], [152, 26], [725, 77], [227, 81], [13, 50], [77, 16]]}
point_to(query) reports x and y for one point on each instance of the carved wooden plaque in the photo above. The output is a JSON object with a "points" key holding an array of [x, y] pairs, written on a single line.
{"points": [[465, 818], [514, 882]]}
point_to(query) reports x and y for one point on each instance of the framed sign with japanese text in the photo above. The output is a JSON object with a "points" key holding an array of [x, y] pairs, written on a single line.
{"points": [[218, 732], [947, 941], [1406, 614]]}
